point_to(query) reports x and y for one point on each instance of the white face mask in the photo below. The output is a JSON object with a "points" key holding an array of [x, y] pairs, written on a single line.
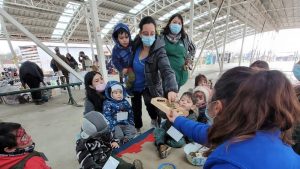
{"points": [[210, 120]]}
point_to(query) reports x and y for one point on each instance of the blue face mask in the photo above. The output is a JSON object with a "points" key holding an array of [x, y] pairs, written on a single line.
{"points": [[296, 71], [175, 28], [210, 120], [148, 40]]}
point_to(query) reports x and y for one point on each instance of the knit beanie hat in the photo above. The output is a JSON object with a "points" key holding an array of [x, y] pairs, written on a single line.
{"points": [[205, 90], [93, 122]]}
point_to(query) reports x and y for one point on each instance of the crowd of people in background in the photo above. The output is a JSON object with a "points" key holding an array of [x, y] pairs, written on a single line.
{"points": [[246, 119]]}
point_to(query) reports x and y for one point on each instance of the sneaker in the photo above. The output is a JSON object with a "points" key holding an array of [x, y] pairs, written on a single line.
{"points": [[138, 164], [154, 124], [164, 151]]}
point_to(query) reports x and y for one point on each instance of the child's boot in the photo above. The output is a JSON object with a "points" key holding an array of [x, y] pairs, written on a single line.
{"points": [[138, 164], [164, 151]]}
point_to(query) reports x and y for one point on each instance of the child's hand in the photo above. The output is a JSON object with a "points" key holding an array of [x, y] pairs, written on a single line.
{"points": [[114, 145], [125, 71]]}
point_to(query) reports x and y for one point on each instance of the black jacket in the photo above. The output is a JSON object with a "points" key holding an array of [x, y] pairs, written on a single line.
{"points": [[159, 75], [94, 151], [30, 68]]}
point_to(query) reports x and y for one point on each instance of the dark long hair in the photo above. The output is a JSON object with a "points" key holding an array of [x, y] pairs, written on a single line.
{"points": [[265, 101], [91, 94], [167, 30], [7, 138]]}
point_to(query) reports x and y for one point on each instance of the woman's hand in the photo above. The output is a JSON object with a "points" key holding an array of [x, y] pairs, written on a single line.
{"points": [[172, 115], [172, 96], [114, 145]]}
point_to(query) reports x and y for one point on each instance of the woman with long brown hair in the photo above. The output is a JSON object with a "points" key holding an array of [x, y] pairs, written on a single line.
{"points": [[254, 129]]}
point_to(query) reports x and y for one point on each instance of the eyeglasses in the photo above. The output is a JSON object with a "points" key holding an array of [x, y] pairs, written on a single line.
{"points": [[211, 102]]}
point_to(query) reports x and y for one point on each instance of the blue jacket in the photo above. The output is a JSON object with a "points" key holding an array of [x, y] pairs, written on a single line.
{"points": [[112, 107], [121, 55], [263, 151]]}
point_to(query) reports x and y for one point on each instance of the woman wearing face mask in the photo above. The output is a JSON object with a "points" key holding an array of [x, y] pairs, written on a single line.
{"points": [[152, 71], [179, 48], [94, 89], [254, 129]]}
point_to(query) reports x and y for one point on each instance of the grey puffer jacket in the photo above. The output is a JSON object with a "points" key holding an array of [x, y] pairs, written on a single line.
{"points": [[159, 76]]}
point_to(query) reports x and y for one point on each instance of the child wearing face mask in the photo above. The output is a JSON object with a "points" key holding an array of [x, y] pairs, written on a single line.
{"points": [[162, 140], [202, 95], [121, 54], [118, 112], [17, 149], [94, 89]]}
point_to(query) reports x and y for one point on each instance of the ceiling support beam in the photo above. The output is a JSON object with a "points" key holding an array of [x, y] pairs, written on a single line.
{"points": [[97, 37], [7, 36], [76, 20], [39, 43], [225, 36], [203, 46]]}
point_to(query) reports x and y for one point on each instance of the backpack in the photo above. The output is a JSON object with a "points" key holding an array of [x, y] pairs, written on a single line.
{"points": [[21, 164]]}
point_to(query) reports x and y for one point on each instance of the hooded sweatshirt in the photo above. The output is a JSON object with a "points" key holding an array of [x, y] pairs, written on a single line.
{"points": [[112, 107], [120, 54]]}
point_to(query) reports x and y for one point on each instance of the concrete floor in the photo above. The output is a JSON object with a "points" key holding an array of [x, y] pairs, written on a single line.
{"points": [[53, 125]]}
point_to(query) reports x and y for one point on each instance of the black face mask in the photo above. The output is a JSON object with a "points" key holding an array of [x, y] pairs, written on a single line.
{"points": [[20, 151]]}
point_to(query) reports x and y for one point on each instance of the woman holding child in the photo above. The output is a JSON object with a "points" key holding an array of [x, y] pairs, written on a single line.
{"points": [[180, 49], [152, 71]]}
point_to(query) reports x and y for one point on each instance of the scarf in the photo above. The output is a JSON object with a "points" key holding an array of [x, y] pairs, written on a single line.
{"points": [[20, 151], [173, 38]]}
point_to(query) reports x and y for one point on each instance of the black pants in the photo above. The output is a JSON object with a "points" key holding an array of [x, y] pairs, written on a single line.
{"points": [[34, 82], [136, 102]]}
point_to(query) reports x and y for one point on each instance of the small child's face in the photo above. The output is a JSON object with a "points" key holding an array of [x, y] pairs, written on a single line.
{"points": [[200, 99], [202, 82], [117, 94], [123, 39], [186, 103]]}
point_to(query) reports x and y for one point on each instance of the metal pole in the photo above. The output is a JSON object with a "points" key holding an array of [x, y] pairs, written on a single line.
{"points": [[87, 20], [13, 53], [135, 25], [39, 43], [244, 34], [191, 20], [66, 44], [241, 51], [214, 33], [203, 46], [97, 36], [225, 37]]}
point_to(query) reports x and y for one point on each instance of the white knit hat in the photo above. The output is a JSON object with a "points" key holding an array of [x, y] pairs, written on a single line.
{"points": [[205, 90], [116, 87]]}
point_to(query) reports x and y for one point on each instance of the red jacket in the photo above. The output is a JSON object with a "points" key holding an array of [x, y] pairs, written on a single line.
{"points": [[34, 162]]}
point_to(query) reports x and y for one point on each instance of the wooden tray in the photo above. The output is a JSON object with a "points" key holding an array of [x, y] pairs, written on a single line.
{"points": [[163, 104]]}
